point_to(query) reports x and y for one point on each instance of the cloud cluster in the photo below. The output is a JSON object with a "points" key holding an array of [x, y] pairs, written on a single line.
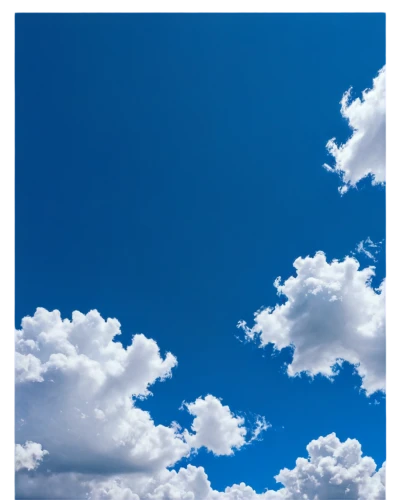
{"points": [[75, 404], [78, 425], [332, 313], [364, 154], [333, 469], [76, 392]]}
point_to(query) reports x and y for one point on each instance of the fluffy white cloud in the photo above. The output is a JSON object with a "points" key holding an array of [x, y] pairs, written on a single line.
{"points": [[29, 455], [331, 314], [75, 394], [217, 428], [365, 151], [333, 469]]}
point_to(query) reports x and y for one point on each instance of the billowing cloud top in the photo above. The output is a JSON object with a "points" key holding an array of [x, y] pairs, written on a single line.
{"points": [[365, 151]]}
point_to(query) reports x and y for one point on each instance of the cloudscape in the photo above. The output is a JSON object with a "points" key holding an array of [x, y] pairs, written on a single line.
{"points": [[200, 257]]}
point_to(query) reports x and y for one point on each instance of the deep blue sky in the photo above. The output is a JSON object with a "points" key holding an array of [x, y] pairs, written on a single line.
{"points": [[168, 169]]}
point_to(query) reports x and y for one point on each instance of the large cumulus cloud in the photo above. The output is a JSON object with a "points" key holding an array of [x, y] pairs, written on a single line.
{"points": [[76, 393], [332, 313]]}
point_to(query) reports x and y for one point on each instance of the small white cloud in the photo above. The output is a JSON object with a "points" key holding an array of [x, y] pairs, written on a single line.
{"points": [[375, 402], [29, 455], [369, 248], [364, 153], [331, 314], [217, 428], [261, 425]]}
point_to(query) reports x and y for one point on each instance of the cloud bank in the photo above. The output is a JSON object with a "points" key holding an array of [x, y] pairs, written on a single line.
{"points": [[333, 469]]}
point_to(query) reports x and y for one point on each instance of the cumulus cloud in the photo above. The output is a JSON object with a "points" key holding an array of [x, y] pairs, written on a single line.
{"points": [[74, 395], [76, 392], [364, 153], [332, 313], [333, 469], [217, 428], [29, 455]]}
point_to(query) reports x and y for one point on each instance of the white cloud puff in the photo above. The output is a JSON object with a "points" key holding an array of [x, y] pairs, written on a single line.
{"points": [[217, 428], [332, 313], [364, 153], [29, 455], [333, 469]]}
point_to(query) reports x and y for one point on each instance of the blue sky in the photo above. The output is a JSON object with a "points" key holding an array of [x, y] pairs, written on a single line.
{"points": [[168, 169]]}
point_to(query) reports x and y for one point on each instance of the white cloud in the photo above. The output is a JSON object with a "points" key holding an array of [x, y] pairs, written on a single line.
{"points": [[333, 469], [76, 390], [29, 455], [74, 395], [332, 313], [217, 428], [369, 248], [365, 151], [76, 400], [261, 425]]}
